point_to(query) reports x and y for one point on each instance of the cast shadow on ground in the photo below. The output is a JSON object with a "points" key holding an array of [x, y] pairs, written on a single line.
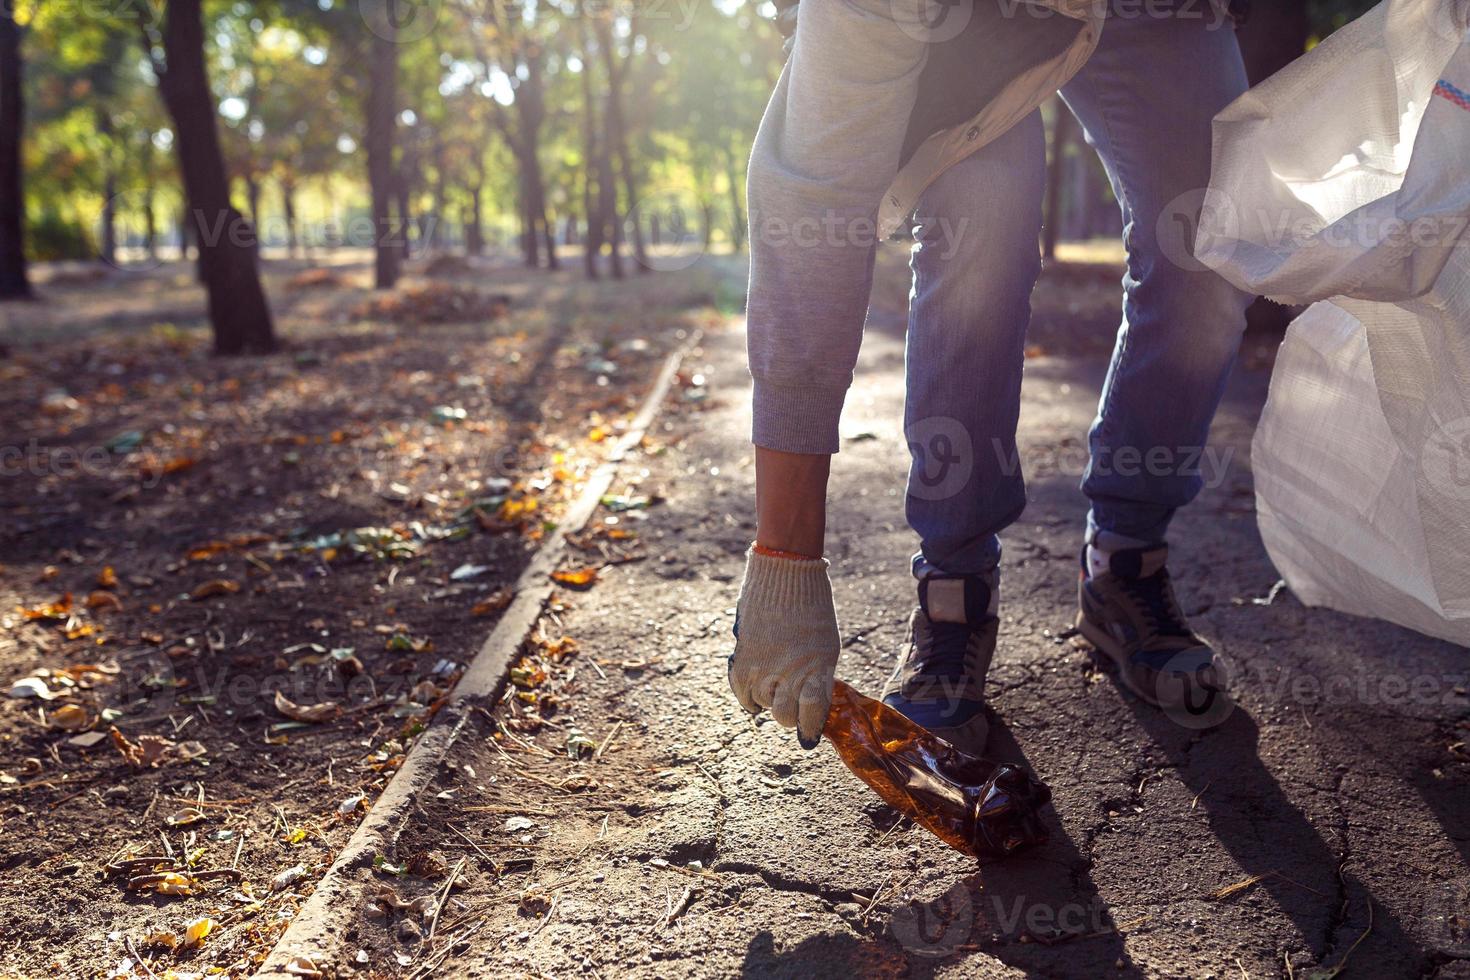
{"points": [[1268, 836], [1047, 896], [838, 955], [985, 914]]}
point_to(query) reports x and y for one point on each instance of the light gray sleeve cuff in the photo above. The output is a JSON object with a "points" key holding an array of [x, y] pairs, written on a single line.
{"points": [[797, 419]]}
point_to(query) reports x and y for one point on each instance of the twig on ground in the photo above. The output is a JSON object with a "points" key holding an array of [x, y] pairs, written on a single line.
{"points": [[478, 849], [607, 741], [439, 905], [677, 909], [137, 958], [1195, 802]]}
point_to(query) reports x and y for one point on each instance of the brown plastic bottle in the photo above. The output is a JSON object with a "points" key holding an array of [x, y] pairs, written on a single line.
{"points": [[985, 810]]}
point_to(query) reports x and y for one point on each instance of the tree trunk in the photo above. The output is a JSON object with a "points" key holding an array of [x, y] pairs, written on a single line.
{"points": [[591, 207], [474, 235], [538, 212], [617, 140], [530, 248], [107, 248], [435, 231], [607, 205], [150, 223], [238, 310], [185, 243], [382, 118], [14, 283], [288, 207], [403, 195], [737, 192], [1061, 136]]}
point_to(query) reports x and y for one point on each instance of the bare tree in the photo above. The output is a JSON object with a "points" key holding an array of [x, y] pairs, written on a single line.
{"points": [[381, 110], [14, 283], [238, 311]]}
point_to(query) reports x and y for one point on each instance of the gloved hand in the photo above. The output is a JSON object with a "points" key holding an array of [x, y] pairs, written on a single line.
{"points": [[786, 643]]}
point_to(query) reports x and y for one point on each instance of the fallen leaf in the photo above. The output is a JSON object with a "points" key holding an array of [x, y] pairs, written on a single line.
{"points": [[60, 609], [579, 578], [104, 600], [399, 642], [151, 468], [493, 603], [124, 442], [70, 718], [31, 687], [325, 711], [301, 966], [217, 587], [618, 502], [578, 744], [527, 675], [535, 903], [190, 750], [161, 940], [198, 931], [288, 877], [515, 510], [185, 817], [146, 753], [107, 578], [426, 865], [168, 883], [86, 740], [515, 825]]}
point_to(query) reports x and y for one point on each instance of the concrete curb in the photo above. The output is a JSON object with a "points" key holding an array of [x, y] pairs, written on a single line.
{"points": [[315, 932]]}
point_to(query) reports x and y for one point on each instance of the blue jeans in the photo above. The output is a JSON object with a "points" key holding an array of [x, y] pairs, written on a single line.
{"points": [[1145, 100]]}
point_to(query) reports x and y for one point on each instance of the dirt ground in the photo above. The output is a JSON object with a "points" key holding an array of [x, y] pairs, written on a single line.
{"points": [[1322, 829], [616, 814], [187, 540]]}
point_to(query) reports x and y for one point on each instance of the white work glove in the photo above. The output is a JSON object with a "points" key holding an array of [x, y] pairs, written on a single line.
{"points": [[786, 643]]}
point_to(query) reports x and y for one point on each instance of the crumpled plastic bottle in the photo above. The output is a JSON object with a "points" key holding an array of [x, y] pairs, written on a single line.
{"points": [[983, 809]]}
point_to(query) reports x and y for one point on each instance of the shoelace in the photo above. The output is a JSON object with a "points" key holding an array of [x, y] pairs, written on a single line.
{"points": [[944, 647], [1155, 596]]}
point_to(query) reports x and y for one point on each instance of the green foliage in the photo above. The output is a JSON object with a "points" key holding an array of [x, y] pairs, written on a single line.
{"points": [[51, 237], [290, 78]]}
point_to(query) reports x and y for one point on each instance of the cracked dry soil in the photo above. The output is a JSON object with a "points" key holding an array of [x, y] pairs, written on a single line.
{"points": [[1327, 821]]}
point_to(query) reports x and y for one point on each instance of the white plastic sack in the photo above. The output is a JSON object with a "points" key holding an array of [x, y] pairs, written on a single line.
{"points": [[1345, 181]]}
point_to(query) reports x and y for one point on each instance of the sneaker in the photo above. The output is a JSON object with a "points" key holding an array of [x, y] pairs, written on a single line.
{"points": [[940, 682], [1130, 613]]}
